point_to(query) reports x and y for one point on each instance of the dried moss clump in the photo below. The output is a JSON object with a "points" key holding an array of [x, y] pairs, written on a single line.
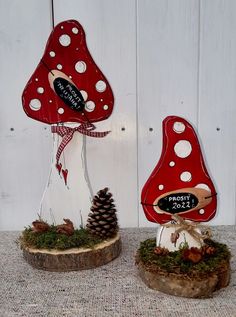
{"points": [[53, 240], [173, 262]]}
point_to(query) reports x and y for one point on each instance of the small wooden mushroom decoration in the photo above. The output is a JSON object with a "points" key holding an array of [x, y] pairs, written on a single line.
{"points": [[179, 185], [179, 195], [68, 91]]}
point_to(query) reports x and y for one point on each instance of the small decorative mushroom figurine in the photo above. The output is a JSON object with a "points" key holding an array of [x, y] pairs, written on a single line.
{"points": [[179, 194], [69, 92]]}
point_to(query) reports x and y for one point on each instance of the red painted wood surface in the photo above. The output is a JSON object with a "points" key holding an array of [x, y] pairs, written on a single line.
{"points": [[181, 166], [67, 54]]}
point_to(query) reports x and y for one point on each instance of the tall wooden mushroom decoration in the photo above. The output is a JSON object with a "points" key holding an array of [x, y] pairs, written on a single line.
{"points": [[180, 195], [68, 91]]}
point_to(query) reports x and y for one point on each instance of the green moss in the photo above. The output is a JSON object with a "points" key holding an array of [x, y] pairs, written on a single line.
{"points": [[173, 261], [53, 240]]}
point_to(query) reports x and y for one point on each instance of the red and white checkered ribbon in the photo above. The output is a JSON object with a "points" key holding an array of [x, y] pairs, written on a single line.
{"points": [[67, 134]]}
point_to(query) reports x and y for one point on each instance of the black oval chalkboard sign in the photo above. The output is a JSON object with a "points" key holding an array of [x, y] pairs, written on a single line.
{"points": [[178, 202], [69, 94]]}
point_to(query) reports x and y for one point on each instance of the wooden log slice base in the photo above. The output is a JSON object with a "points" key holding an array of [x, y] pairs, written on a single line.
{"points": [[180, 285], [73, 259]]}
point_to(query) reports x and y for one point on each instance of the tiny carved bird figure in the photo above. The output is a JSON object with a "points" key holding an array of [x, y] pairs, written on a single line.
{"points": [[67, 228], [40, 226]]}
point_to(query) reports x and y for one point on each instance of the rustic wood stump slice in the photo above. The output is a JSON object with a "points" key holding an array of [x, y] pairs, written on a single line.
{"points": [[73, 259], [182, 285]]}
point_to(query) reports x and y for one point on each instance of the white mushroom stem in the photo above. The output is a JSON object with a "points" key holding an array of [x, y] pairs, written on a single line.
{"points": [[71, 200], [164, 239]]}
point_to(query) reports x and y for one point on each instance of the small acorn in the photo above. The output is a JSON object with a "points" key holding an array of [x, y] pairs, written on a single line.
{"points": [[193, 255]]}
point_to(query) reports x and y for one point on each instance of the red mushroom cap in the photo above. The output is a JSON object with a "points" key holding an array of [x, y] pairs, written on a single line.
{"points": [[86, 94], [180, 182]]}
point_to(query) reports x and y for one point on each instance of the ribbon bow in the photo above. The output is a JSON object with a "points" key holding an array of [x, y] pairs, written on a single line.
{"points": [[67, 134], [190, 227]]}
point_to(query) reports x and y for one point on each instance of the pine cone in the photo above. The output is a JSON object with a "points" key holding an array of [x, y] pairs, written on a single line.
{"points": [[40, 226], [102, 221], [208, 250], [67, 228]]}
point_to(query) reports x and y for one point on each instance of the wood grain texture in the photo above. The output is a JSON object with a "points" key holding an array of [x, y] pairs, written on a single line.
{"points": [[178, 285], [73, 259]]}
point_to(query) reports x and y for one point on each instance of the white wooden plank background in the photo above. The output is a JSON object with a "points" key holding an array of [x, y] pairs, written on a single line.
{"points": [[217, 100], [25, 151], [167, 74], [161, 57]]}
